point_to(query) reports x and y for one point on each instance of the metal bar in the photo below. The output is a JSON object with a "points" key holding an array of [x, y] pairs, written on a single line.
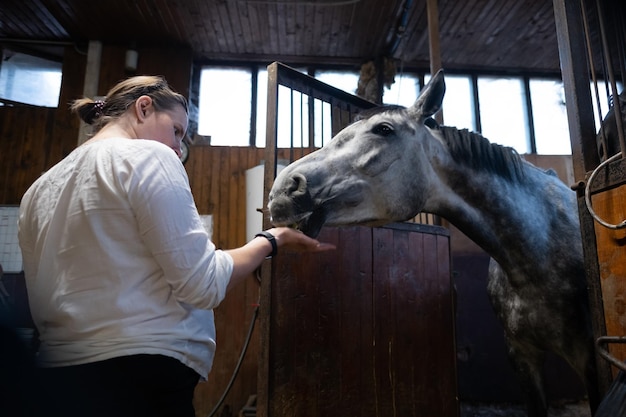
{"points": [[530, 119], [610, 176], [609, 63], [254, 100], [605, 353], [476, 102]]}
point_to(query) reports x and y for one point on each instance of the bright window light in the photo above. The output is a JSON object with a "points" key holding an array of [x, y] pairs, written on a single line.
{"points": [[605, 94], [293, 110], [30, 79], [550, 117], [346, 81], [403, 91], [502, 112], [224, 106], [458, 103], [293, 122]]}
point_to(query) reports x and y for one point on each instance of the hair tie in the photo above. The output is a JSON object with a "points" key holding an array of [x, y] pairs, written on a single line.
{"points": [[98, 106]]}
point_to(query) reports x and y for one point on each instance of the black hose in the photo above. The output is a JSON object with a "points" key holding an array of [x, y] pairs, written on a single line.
{"points": [[239, 362]]}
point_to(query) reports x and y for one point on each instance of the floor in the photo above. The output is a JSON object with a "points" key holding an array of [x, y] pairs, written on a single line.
{"points": [[580, 409]]}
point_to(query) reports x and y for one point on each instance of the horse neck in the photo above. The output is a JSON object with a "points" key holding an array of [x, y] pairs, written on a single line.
{"points": [[513, 220]]}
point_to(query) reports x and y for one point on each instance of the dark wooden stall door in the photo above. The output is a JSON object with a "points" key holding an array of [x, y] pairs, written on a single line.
{"points": [[366, 330]]}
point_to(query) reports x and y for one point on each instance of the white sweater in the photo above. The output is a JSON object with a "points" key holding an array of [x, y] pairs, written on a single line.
{"points": [[116, 258]]}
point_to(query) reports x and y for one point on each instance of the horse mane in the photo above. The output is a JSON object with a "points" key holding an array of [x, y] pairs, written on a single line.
{"points": [[468, 148], [475, 151]]}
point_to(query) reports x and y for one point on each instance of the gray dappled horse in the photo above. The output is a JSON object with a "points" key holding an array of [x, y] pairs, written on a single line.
{"points": [[395, 162]]}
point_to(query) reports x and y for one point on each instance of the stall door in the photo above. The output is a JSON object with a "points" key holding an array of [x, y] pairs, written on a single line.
{"points": [[366, 330]]}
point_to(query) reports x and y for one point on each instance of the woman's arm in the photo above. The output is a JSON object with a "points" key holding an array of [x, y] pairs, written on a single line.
{"points": [[249, 257]]}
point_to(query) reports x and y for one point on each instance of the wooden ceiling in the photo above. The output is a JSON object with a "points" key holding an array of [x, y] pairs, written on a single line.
{"points": [[498, 35]]}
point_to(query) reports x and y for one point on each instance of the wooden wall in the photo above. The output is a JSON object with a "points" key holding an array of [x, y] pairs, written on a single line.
{"points": [[610, 206], [32, 139], [217, 177], [35, 138]]}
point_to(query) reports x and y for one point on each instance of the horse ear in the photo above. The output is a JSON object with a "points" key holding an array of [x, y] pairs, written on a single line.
{"points": [[430, 99]]}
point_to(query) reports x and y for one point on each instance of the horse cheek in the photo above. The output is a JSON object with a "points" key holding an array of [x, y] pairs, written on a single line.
{"points": [[401, 200]]}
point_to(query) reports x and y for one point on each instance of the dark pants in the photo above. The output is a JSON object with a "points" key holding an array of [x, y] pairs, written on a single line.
{"points": [[18, 389], [129, 386]]}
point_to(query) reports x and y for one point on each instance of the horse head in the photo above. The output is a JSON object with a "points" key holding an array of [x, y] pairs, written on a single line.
{"points": [[373, 172]]}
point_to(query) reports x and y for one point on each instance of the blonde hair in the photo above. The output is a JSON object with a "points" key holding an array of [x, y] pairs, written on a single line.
{"points": [[119, 98]]}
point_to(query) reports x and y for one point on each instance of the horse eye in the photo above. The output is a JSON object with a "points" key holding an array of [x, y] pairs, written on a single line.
{"points": [[383, 129]]}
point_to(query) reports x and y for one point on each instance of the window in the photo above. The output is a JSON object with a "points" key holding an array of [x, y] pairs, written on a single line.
{"points": [[604, 93], [224, 106], [458, 103], [293, 107], [293, 126], [550, 117], [346, 81], [403, 91], [504, 104], [29, 79], [503, 112]]}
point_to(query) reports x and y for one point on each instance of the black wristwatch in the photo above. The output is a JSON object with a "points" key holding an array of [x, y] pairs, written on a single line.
{"points": [[272, 239]]}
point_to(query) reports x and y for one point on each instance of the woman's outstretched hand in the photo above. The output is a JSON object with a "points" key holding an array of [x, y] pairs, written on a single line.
{"points": [[247, 258], [294, 240]]}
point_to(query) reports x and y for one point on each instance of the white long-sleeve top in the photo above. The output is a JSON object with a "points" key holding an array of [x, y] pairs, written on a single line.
{"points": [[116, 259]]}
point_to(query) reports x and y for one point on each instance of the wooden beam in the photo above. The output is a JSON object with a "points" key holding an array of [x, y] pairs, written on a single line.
{"points": [[90, 89], [432, 11], [575, 71]]}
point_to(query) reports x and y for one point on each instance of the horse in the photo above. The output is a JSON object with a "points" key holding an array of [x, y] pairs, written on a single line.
{"points": [[395, 162], [607, 139]]}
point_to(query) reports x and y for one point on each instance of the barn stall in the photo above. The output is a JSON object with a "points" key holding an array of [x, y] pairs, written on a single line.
{"points": [[211, 191]]}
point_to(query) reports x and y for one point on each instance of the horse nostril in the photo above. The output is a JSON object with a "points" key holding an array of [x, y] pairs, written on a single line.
{"points": [[297, 186]]}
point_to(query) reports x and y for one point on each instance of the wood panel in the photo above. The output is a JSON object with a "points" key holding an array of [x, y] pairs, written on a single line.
{"points": [[366, 330], [173, 64], [610, 206], [33, 139], [218, 183], [25, 139]]}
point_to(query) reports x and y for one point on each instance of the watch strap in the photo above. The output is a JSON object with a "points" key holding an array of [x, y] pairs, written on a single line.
{"points": [[272, 240]]}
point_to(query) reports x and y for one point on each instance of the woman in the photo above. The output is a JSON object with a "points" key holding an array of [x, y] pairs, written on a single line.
{"points": [[121, 275]]}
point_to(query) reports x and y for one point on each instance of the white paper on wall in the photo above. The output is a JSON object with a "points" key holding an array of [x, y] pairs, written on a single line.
{"points": [[10, 253]]}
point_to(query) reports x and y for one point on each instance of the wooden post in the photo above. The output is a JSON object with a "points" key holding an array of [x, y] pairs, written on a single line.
{"points": [[432, 11], [575, 72], [90, 88]]}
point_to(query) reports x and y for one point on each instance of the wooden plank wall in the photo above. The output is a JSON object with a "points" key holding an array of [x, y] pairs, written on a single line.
{"points": [[366, 330], [217, 177], [218, 182], [610, 206], [32, 139], [35, 138]]}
